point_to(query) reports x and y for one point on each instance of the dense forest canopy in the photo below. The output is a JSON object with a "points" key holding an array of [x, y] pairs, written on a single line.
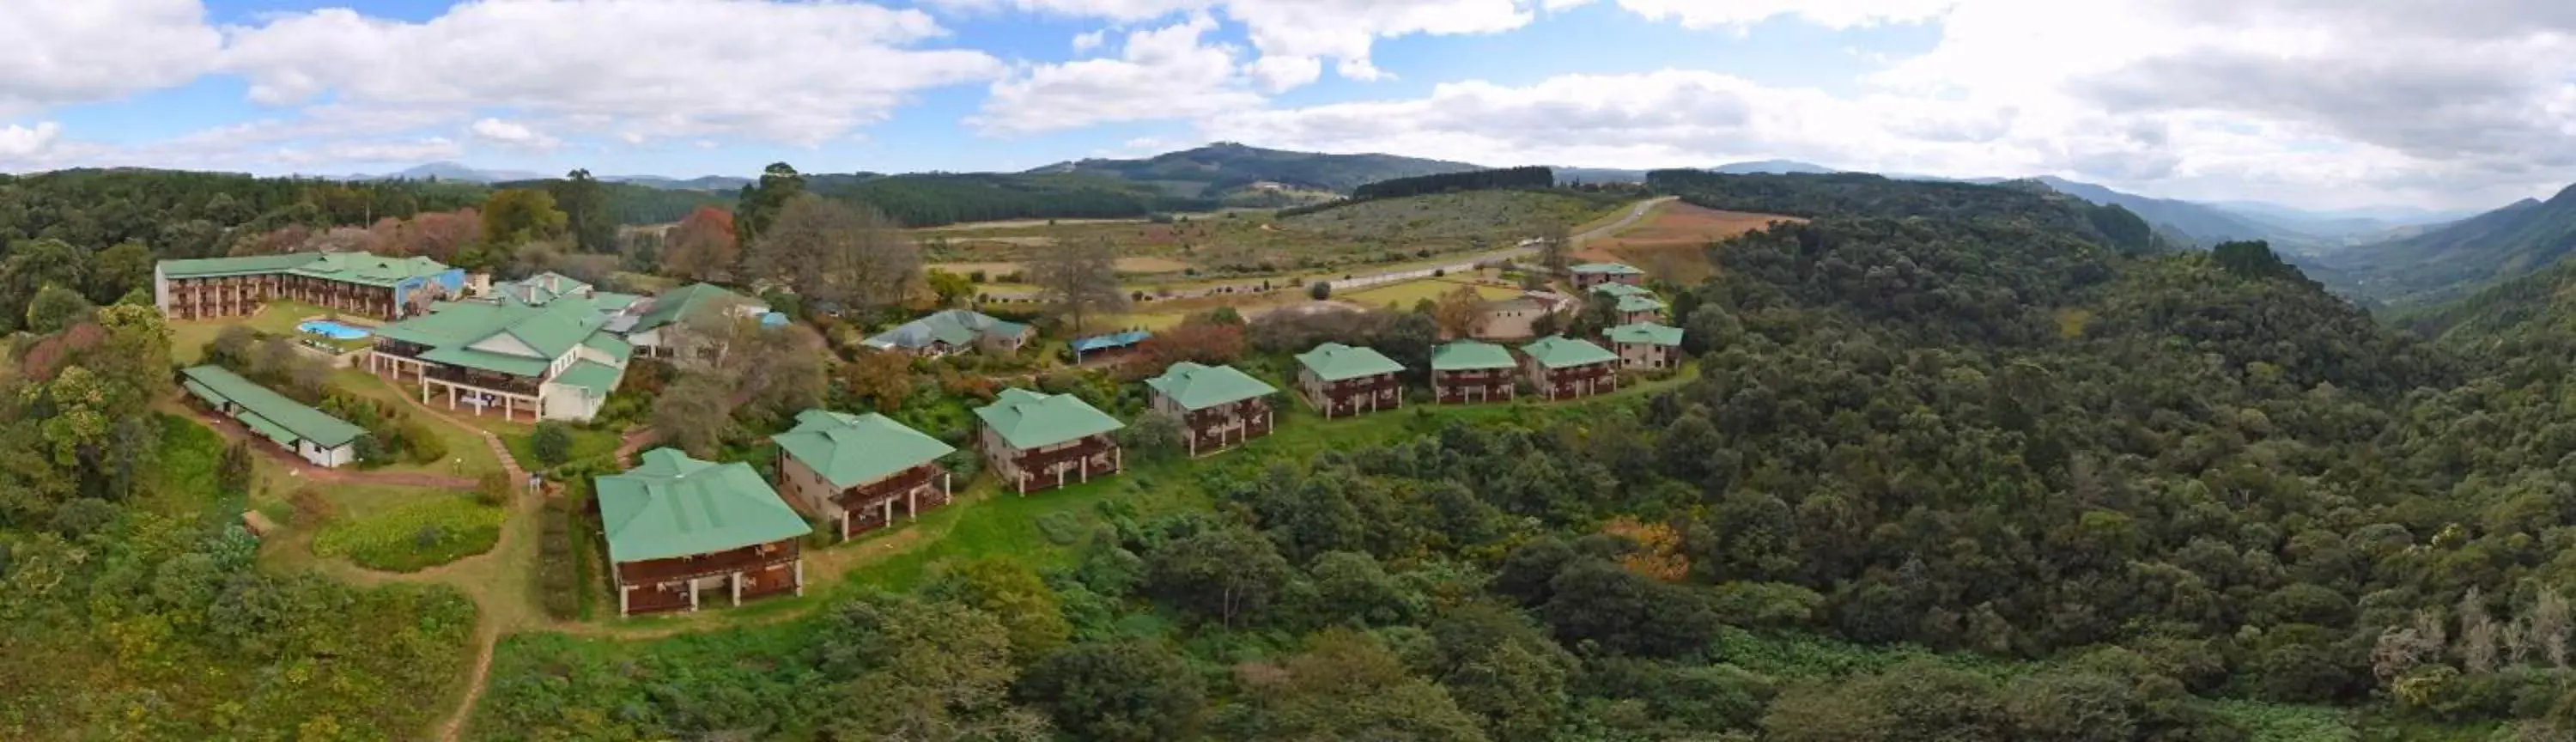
{"points": [[1475, 180], [938, 199], [1863, 194]]}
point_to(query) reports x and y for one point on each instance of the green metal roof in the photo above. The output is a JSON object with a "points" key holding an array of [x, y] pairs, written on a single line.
{"points": [[851, 450], [489, 361], [363, 268], [1196, 387], [670, 306], [594, 377], [1620, 289], [551, 331], [676, 506], [267, 428], [1615, 269], [954, 327], [262, 406], [610, 344], [1027, 419], [1639, 304], [1646, 332], [240, 266], [1337, 362], [1559, 351], [1470, 355]]}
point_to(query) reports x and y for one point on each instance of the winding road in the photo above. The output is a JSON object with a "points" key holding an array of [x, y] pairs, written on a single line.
{"points": [[1635, 214]]}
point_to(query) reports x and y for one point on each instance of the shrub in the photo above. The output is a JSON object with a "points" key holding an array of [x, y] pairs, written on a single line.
{"points": [[420, 442], [1319, 290], [311, 508], [493, 490], [552, 443], [415, 536]]}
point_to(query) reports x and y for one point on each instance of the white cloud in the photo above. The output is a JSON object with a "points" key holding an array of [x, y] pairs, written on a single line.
{"points": [[1296, 35], [1084, 43], [800, 73], [1835, 14], [512, 134], [62, 53], [1164, 73], [25, 143]]}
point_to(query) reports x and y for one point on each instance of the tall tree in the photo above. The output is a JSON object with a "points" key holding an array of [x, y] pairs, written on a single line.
{"points": [[585, 206], [761, 204], [517, 216], [30, 268], [1122, 691], [839, 254], [117, 270], [1079, 281], [703, 247], [1461, 312]]}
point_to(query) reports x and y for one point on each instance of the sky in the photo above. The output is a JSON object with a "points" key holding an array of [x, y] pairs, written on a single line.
{"points": [[2439, 104]]}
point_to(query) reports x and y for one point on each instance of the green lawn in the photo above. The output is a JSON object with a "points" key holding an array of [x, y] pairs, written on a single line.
{"points": [[1406, 294], [423, 533], [467, 455], [278, 317], [586, 444]]}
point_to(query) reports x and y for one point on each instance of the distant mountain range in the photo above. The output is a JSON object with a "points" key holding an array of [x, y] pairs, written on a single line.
{"points": [[1217, 169], [2453, 260]]}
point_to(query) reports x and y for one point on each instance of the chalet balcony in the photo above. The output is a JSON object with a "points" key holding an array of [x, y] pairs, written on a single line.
{"points": [[485, 379], [746, 559]]}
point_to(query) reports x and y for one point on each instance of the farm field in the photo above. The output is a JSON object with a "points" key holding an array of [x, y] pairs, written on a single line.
{"points": [[1670, 243], [1405, 295], [1240, 244]]}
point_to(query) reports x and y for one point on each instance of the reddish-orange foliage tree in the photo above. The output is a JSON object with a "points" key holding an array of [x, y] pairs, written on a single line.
{"points": [[1659, 549], [1198, 340], [704, 247], [439, 235], [883, 377]]}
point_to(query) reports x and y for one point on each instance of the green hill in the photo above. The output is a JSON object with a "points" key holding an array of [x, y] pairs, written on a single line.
{"points": [[1489, 218], [1217, 169], [2455, 260]]}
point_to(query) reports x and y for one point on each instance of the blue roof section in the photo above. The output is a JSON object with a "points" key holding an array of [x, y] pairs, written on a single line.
{"points": [[773, 319], [1105, 342]]}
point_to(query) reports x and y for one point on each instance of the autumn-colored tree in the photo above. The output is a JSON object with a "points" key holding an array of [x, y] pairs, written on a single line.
{"points": [[836, 253], [515, 215], [439, 235], [703, 247], [1460, 313], [884, 378], [1659, 549], [1198, 340], [1079, 281]]}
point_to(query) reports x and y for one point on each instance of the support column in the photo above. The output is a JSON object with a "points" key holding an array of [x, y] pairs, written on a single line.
{"points": [[886, 512], [800, 577], [911, 504], [623, 593], [737, 588], [693, 593]]}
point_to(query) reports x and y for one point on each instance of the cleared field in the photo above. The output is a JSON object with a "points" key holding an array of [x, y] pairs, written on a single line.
{"points": [[1125, 265], [1405, 295], [1671, 244]]}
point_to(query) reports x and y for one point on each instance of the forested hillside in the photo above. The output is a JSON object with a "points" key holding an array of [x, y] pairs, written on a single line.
{"points": [[938, 199], [2458, 259], [188, 214], [1210, 171], [1862, 194]]}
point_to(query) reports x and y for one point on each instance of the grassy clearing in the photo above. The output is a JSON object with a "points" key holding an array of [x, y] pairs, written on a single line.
{"points": [[415, 536], [278, 317], [467, 455], [586, 444], [1405, 295], [1671, 244]]}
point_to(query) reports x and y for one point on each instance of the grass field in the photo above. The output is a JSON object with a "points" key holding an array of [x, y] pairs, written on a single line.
{"points": [[1405, 295], [278, 317], [1671, 243], [424, 533], [467, 455], [1260, 243], [586, 443]]}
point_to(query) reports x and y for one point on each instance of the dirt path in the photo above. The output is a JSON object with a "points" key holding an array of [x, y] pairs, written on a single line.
{"points": [[634, 441], [1635, 214]]}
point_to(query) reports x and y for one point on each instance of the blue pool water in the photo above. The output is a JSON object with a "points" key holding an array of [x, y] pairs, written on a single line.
{"points": [[333, 330]]}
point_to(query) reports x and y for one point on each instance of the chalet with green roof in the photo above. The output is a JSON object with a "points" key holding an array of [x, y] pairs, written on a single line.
{"points": [[1037, 441], [1472, 372], [953, 331], [855, 470], [1565, 368], [1618, 290], [352, 282], [1221, 406], [650, 323], [555, 361], [1639, 309], [1646, 346], [1341, 380], [311, 434], [677, 527], [1589, 275]]}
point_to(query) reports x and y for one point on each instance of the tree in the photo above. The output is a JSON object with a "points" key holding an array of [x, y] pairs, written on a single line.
{"points": [[552, 443], [1157, 434], [848, 258], [1029, 611], [1196, 340], [1319, 290], [693, 414], [950, 289], [1596, 601], [883, 378], [30, 268], [761, 203], [703, 247], [1460, 313], [924, 670], [1123, 691], [1229, 572], [119, 270], [515, 216], [1079, 281], [1347, 685], [585, 207], [54, 309]]}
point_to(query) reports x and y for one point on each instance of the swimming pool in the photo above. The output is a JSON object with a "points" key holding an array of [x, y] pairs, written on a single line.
{"points": [[333, 330]]}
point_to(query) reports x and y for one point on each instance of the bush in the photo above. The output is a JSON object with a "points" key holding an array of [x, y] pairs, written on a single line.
{"points": [[493, 490], [311, 508], [552, 443], [558, 577], [420, 443], [415, 536], [1319, 290]]}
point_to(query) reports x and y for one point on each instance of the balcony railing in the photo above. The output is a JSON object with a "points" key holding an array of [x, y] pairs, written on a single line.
{"points": [[657, 571]]}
